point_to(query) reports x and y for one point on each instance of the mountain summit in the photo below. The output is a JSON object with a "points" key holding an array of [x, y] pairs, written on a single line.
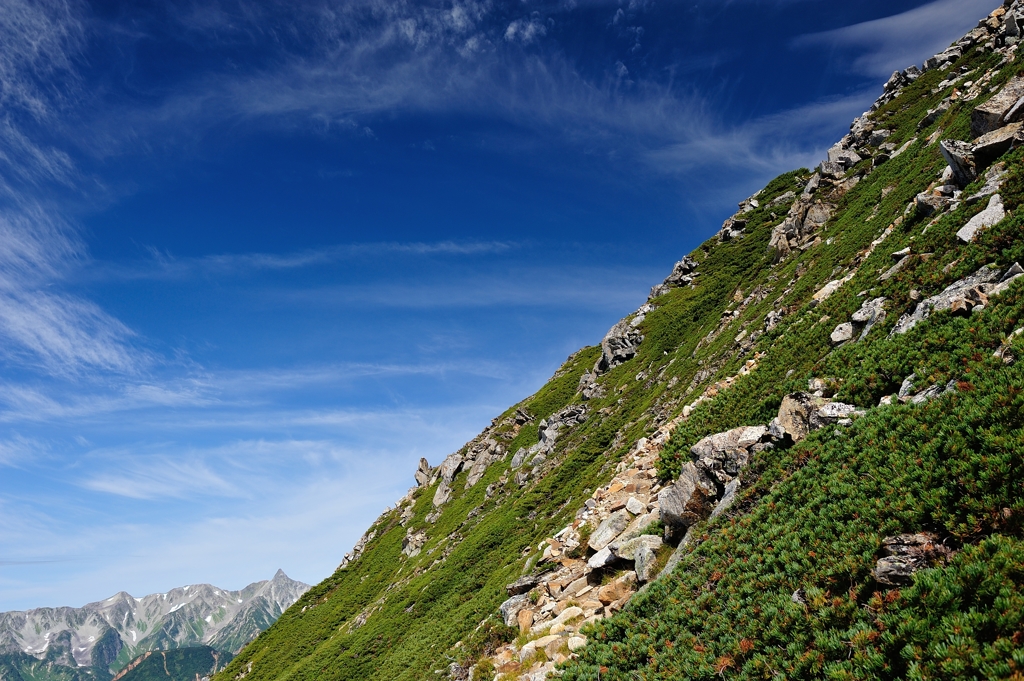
{"points": [[102, 637]]}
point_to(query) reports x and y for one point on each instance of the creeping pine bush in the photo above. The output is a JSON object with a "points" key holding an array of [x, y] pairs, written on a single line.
{"points": [[818, 514]]}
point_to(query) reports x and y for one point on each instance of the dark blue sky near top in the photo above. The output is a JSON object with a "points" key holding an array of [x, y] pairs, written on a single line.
{"points": [[258, 258]]}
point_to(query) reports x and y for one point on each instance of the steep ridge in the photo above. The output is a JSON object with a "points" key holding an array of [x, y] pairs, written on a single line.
{"points": [[803, 457], [101, 638]]}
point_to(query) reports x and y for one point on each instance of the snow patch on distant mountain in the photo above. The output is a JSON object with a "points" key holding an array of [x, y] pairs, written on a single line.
{"points": [[112, 632]]}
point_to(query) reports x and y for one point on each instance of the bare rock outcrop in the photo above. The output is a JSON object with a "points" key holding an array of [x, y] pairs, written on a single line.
{"points": [[965, 294], [906, 554]]}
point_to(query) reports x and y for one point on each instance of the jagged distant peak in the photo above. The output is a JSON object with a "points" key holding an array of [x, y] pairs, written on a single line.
{"points": [[127, 625]]}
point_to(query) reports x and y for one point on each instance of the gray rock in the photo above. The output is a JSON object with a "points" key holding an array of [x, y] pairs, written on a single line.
{"points": [[519, 458], [607, 531], [927, 204], [979, 280], [510, 609], [627, 550], [801, 413], [523, 585], [832, 413], [990, 115], [482, 462], [832, 170], [845, 157], [451, 466], [601, 559], [443, 494], [682, 273], [645, 564], [989, 147], [878, 137], [812, 186], [635, 506], [907, 388], [773, 319], [994, 178], [960, 157], [843, 333], [795, 416], [619, 345], [992, 215], [723, 455], [413, 542], [934, 114], [906, 554], [423, 473], [926, 395], [728, 497], [689, 500], [870, 313]]}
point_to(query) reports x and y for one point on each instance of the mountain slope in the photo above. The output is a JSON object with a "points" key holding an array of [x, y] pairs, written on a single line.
{"points": [[182, 664], [104, 636], [812, 430]]}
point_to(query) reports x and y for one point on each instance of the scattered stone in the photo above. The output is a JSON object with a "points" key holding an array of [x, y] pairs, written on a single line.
{"points": [[960, 157], [645, 563], [773, 319], [565, 616], [982, 279], [412, 543], [627, 550], [635, 506], [993, 214], [618, 588], [843, 333], [689, 500], [608, 530], [724, 455], [989, 147], [523, 585], [510, 609], [994, 177], [801, 413], [525, 620], [991, 115], [576, 642], [601, 559], [619, 345]]}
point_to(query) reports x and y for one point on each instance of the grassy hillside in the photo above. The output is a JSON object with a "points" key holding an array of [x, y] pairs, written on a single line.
{"points": [[810, 519], [180, 664]]}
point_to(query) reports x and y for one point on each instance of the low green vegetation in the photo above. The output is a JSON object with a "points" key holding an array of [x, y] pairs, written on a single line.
{"points": [[781, 586], [180, 664]]}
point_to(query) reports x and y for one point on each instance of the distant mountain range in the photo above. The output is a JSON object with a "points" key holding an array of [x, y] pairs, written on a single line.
{"points": [[99, 639]]}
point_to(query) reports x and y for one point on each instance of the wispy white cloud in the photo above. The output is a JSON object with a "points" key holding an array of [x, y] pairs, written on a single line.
{"points": [[896, 42], [576, 287], [156, 478], [781, 140], [17, 450], [165, 266]]}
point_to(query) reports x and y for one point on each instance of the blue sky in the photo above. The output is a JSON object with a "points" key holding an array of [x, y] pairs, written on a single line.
{"points": [[257, 258]]}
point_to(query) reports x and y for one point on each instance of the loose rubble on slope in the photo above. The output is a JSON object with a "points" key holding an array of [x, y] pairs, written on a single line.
{"points": [[621, 537]]}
